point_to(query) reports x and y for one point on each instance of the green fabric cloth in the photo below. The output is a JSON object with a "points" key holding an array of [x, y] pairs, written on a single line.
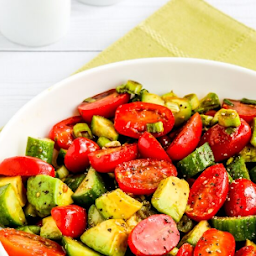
{"points": [[185, 28]]}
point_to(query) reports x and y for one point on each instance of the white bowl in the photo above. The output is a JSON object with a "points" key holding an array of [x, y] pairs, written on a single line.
{"points": [[158, 75], [99, 2]]}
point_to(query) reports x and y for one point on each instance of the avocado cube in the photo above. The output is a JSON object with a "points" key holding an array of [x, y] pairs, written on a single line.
{"points": [[49, 229]]}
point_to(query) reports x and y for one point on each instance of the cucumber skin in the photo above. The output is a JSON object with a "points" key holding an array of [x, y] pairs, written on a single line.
{"points": [[94, 216], [241, 228], [237, 169], [253, 174], [74, 181]]}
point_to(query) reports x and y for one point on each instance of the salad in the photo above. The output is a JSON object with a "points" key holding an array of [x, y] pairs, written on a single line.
{"points": [[136, 174]]}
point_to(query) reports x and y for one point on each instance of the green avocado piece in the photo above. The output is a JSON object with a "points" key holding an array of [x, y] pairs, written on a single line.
{"points": [[32, 229], [171, 197], [94, 216], [30, 211], [11, 213], [151, 98], [49, 229], [109, 237], [117, 205], [193, 100], [45, 192], [102, 127]]}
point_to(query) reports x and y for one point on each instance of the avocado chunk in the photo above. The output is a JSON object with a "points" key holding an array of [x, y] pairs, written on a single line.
{"points": [[30, 211], [40, 148], [226, 118], [49, 229], [91, 188], [237, 169], [109, 237], [82, 130], [171, 197], [45, 192], [11, 213], [102, 127], [74, 181], [173, 252], [193, 100], [117, 205], [195, 234], [94, 216], [248, 153], [131, 87], [32, 229], [62, 172], [75, 248], [151, 98], [169, 95], [18, 187], [210, 101]]}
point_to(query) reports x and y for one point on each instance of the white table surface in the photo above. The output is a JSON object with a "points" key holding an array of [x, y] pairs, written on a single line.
{"points": [[25, 72]]}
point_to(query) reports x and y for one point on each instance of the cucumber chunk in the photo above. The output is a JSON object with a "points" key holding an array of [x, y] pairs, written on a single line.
{"points": [[253, 138], [241, 228], [131, 87], [11, 213], [40, 148], [82, 130], [32, 229], [248, 153], [193, 100], [151, 98], [237, 169], [62, 172], [227, 118], [94, 216], [253, 174], [197, 161], [209, 102], [74, 181], [30, 211], [61, 156], [206, 120], [155, 127], [102, 141]]}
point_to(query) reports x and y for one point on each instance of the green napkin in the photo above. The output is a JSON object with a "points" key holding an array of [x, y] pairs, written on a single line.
{"points": [[185, 28]]}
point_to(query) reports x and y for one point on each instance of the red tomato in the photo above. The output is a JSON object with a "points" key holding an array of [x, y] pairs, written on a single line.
{"points": [[149, 147], [106, 160], [76, 158], [241, 200], [142, 176], [103, 104], [225, 144], [211, 113], [186, 250], [62, 132], [208, 193], [246, 251], [131, 119], [187, 140], [25, 166], [245, 111], [215, 243], [155, 236], [20, 243], [165, 141], [71, 220]]}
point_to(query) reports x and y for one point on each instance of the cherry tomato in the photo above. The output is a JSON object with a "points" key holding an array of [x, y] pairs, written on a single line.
{"points": [[225, 142], [25, 166], [71, 220], [208, 193], [185, 250], [131, 119], [106, 160], [187, 140], [246, 251], [211, 113], [215, 243], [142, 176], [20, 243], [103, 104], [155, 236], [149, 147], [62, 132], [76, 158], [245, 111], [241, 200], [165, 141]]}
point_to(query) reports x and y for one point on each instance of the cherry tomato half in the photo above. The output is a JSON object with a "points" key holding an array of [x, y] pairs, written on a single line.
{"points": [[71, 220], [20, 243], [215, 243], [246, 251], [155, 236], [62, 132], [106, 160], [186, 250], [225, 143], [142, 176], [149, 147], [245, 111], [208, 193], [76, 158], [25, 166], [187, 140], [131, 119], [241, 200], [103, 104]]}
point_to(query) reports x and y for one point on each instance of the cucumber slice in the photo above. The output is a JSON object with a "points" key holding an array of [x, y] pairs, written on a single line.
{"points": [[206, 120], [155, 127], [40, 148], [248, 154], [197, 161], [61, 173], [75, 248], [11, 213], [61, 156], [94, 216], [152, 98], [185, 224], [193, 100], [253, 138], [210, 101], [237, 169], [241, 228], [253, 174], [32, 229], [91, 188], [131, 87], [82, 130], [102, 141], [74, 181]]}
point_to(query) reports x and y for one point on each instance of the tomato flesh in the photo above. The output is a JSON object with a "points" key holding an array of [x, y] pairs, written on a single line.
{"points": [[25, 166], [103, 104], [185, 250], [131, 119], [19, 243], [106, 160], [215, 243], [246, 251], [208, 193], [187, 140], [155, 236], [142, 176]]}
